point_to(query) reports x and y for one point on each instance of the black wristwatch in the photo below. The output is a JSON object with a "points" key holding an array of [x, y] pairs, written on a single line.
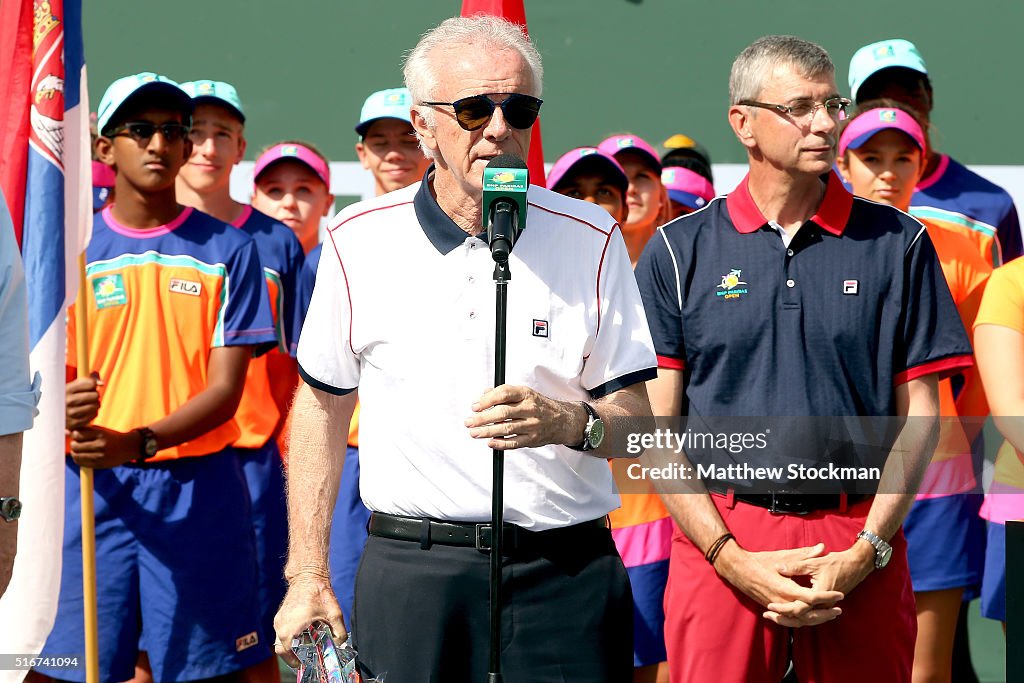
{"points": [[593, 432], [147, 446], [10, 509]]}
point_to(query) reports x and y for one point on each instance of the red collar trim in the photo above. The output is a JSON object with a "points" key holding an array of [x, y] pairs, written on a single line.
{"points": [[832, 215]]}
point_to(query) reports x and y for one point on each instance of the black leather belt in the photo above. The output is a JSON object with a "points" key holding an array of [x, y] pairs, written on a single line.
{"points": [[473, 535], [791, 503]]}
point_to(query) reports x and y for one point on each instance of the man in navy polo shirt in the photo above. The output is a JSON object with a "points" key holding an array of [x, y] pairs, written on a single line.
{"points": [[792, 298], [404, 310]]}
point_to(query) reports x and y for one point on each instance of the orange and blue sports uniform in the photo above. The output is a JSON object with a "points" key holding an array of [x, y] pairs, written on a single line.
{"points": [[175, 552], [348, 524], [258, 416], [956, 198], [1003, 305], [642, 531], [945, 536]]}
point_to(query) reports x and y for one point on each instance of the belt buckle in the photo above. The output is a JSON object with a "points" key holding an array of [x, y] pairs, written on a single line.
{"points": [[510, 536], [479, 537], [780, 505]]}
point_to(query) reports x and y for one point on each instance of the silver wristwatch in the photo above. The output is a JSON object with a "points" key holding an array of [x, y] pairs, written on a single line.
{"points": [[883, 551], [10, 509]]}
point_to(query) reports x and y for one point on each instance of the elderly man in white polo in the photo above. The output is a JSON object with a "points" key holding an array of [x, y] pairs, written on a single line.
{"points": [[403, 311]]}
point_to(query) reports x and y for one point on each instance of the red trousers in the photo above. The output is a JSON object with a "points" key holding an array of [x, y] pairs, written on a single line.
{"points": [[713, 632]]}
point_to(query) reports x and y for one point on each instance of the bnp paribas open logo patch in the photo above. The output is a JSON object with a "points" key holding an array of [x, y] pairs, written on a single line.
{"points": [[109, 291]]}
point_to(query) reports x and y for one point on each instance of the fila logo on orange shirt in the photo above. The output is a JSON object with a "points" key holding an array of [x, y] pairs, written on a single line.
{"points": [[190, 287]]}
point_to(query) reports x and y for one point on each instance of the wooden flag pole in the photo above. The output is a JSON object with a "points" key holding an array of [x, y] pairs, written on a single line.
{"points": [[92, 644]]}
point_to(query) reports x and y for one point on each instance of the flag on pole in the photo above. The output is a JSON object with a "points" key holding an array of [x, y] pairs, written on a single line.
{"points": [[514, 11], [45, 177]]}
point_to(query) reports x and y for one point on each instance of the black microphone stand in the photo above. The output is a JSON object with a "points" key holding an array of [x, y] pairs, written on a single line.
{"points": [[501, 278]]}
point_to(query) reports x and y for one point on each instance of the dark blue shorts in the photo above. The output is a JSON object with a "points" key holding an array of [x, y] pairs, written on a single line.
{"points": [[648, 585], [348, 534], [175, 571], [946, 544], [993, 587], [264, 475]]}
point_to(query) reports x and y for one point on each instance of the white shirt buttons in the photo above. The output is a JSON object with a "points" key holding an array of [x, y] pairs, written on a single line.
{"points": [[791, 283]]}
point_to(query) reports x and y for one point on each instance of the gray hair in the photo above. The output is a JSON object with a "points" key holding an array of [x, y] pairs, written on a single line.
{"points": [[760, 58], [421, 74]]}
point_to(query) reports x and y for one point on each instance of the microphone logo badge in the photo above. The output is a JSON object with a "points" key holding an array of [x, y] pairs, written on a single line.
{"points": [[507, 180]]}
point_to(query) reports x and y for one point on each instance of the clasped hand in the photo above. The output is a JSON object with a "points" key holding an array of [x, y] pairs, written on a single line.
{"points": [[768, 578], [93, 446]]}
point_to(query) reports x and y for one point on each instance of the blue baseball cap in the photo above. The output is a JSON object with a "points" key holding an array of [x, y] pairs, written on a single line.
{"points": [[124, 89], [392, 103], [885, 54], [215, 92]]}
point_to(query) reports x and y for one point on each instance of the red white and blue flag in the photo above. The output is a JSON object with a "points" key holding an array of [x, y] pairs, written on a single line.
{"points": [[45, 177]]}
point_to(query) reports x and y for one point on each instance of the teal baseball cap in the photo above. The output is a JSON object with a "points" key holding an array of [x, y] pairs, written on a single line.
{"points": [[124, 89], [215, 92], [885, 54], [392, 103]]}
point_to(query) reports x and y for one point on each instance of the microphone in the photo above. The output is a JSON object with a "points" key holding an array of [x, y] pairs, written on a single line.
{"points": [[506, 181]]}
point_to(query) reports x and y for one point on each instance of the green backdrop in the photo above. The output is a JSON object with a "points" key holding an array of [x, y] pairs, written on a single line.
{"points": [[652, 67]]}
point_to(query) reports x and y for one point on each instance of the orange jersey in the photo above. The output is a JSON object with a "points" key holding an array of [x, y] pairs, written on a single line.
{"points": [[966, 274], [158, 301], [1003, 305], [282, 260]]}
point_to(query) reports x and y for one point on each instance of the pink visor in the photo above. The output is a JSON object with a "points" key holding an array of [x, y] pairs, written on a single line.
{"points": [[297, 152], [590, 157], [620, 143], [687, 187], [864, 127]]}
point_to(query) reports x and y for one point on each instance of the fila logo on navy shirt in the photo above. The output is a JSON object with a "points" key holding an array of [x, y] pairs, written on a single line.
{"points": [[540, 328], [850, 287]]}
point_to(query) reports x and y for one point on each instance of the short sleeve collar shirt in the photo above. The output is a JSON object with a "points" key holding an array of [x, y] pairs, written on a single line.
{"points": [[404, 308]]}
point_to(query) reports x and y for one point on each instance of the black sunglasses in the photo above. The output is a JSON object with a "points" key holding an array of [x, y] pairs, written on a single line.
{"points": [[520, 111], [143, 131]]}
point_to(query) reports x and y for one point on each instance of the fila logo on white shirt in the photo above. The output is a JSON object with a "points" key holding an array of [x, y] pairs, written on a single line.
{"points": [[850, 287], [540, 328], [190, 287]]}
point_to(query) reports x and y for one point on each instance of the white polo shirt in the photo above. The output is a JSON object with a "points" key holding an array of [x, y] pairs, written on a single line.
{"points": [[403, 309]]}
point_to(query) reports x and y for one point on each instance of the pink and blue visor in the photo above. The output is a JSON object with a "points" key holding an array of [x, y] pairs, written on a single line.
{"points": [[866, 125], [687, 187]]}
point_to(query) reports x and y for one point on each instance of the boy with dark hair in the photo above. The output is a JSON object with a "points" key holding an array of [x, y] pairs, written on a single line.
{"points": [[176, 306]]}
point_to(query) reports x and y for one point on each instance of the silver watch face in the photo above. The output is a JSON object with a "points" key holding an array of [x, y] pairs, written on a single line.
{"points": [[883, 556], [595, 435]]}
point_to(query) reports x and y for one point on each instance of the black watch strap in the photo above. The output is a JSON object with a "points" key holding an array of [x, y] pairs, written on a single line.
{"points": [[592, 416], [147, 444]]}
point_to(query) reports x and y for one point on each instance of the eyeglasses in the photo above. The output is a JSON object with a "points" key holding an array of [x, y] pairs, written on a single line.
{"points": [[835, 107], [143, 131], [472, 113]]}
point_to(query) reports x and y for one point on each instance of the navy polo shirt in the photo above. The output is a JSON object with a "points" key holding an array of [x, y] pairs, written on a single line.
{"points": [[827, 326]]}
